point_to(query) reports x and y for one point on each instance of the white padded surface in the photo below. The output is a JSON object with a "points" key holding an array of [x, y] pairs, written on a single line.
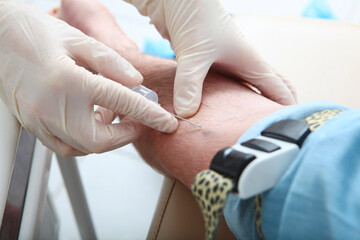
{"points": [[321, 58]]}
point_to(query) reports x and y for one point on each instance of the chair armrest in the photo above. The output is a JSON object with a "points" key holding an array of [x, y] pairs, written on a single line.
{"points": [[9, 134], [177, 216]]}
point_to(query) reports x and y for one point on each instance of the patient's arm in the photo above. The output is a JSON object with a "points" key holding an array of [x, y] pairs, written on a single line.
{"points": [[228, 108]]}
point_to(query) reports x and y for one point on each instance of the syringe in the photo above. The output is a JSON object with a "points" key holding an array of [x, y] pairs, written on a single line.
{"points": [[152, 96]]}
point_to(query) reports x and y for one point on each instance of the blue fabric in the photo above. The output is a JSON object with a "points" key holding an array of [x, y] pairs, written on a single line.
{"points": [[158, 47], [319, 196], [318, 9]]}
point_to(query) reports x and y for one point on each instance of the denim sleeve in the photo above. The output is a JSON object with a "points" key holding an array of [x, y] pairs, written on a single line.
{"points": [[319, 196]]}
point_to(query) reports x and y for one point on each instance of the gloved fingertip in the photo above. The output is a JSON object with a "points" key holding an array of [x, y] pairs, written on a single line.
{"points": [[137, 77], [98, 117], [290, 101], [186, 109], [284, 99], [130, 75], [185, 112], [169, 126], [173, 126], [187, 100]]}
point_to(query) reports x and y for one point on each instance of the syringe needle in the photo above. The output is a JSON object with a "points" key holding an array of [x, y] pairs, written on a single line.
{"points": [[197, 125]]}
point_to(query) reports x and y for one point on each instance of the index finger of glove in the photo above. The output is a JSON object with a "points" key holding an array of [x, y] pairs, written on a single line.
{"points": [[121, 100]]}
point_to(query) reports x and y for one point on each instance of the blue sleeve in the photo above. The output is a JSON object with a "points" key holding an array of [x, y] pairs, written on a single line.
{"points": [[319, 196]]}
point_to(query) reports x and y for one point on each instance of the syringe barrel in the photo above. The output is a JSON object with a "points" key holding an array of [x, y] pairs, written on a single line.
{"points": [[144, 91]]}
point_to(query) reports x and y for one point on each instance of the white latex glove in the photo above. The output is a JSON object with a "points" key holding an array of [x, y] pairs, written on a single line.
{"points": [[45, 87], [201, 32]]}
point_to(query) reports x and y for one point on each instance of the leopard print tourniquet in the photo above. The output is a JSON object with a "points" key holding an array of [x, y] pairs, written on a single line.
{"points": [[318, 119], [211, 190]]}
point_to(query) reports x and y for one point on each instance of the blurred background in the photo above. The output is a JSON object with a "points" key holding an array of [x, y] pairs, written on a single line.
{"points": [[122, 190]]}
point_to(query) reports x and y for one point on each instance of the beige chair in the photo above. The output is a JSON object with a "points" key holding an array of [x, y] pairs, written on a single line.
{"points": [[321, 58]]}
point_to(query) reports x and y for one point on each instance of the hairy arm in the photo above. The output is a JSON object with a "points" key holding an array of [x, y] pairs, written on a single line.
{"points": [[227, 110]]}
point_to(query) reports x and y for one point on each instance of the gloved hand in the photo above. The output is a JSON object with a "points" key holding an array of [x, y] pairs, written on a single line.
{"points": [[201, 32], [45, 83]]}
